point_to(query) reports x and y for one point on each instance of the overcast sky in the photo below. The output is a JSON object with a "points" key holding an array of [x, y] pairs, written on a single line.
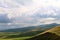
{"points": [[29, 12]]}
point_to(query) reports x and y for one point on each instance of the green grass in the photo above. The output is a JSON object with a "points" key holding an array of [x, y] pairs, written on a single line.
{"points": [[51, 34], [21, 38]]}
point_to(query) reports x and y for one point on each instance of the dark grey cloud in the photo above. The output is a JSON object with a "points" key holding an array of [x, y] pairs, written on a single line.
{"points": [[4, 18]]}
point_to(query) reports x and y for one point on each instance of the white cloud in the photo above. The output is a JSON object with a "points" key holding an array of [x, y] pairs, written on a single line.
{"points": [[20, 11]]}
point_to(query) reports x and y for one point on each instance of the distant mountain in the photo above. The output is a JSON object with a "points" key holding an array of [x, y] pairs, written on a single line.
{"points": [[25, 29], [52, 34], [19, 29], [38, 29]]}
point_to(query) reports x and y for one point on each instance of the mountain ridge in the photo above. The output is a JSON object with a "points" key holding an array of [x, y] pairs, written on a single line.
{"points": [[46, 26]]}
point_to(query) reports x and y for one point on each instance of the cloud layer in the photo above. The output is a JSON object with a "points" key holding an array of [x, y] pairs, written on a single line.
{"points": [[29, 12]]}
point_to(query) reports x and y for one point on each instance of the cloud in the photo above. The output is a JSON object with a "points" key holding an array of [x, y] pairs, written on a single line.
{"points": [[30, 12], [4, 18]]}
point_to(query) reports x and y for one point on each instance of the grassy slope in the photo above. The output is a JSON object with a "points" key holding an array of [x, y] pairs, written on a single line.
{"points": [[55, 30], [12, 34], [52, 34], [5, 36]]}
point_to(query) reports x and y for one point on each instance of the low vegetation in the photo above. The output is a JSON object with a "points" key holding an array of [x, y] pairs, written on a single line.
{"points": [[52, 34]]}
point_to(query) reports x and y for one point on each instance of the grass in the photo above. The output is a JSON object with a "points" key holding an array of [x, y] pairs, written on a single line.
{"points": [[21, 38], [51, 34]]}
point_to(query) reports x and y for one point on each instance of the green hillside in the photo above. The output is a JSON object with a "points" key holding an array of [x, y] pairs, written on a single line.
{"points": [[25, 33], [52, 34]]}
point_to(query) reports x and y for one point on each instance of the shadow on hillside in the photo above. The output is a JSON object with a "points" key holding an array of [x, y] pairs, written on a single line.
{"points": [[46, 36]]}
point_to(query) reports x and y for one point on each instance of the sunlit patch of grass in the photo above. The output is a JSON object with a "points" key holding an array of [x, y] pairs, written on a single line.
{"points": [[21, 38]]}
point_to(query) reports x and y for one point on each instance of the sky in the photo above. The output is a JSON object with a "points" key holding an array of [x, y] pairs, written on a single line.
{"points": [[22, 13]]}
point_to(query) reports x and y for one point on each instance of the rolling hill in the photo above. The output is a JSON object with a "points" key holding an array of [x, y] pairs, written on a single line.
{"points": [[51, 34], [26, 31]]}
